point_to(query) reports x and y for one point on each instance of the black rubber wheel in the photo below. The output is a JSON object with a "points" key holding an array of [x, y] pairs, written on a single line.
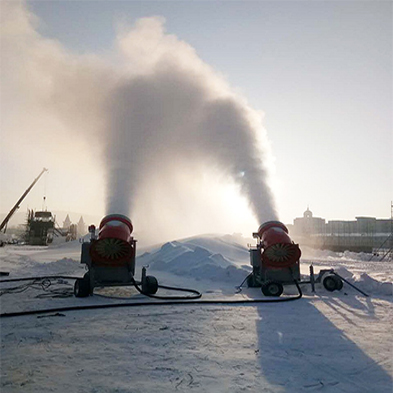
{"points": [[150, 285], [82, 286], [340, 283], [332, 283], [272, 288]]}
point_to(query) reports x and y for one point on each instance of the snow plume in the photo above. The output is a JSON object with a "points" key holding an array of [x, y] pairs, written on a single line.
{"points": [[173, 137], [172, 108]]}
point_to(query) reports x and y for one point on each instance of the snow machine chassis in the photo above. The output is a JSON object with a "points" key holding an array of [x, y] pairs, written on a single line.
{"points": [[107, 276], [85, 286], [275, 262], [331, 281]]}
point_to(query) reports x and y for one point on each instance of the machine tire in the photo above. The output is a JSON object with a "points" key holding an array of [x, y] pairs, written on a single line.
{"points": [[332, 283], [340, 283], [150, 285], [272, 288], [82, 286]]}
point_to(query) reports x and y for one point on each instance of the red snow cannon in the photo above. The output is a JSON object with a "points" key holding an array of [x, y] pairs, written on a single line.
{"points": [[110, 258], [274, 260], [279, 251], [115, 246]]}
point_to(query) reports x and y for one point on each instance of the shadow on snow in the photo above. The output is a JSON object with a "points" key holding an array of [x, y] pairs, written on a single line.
{"points": [[301, 350]]}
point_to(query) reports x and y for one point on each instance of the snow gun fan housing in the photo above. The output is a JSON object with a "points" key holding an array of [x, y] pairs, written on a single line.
{"points": [[275, 259], [115, 245], [278, 249]]}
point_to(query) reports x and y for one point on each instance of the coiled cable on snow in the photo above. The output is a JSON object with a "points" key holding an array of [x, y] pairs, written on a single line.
{"points": [[173, 302]]}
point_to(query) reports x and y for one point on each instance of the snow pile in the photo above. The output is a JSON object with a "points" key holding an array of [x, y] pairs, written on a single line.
{"points": [[189, 259], [345, 273], [64, 266], [366, 283], [370, 285], [31, 267], [232, 246]]}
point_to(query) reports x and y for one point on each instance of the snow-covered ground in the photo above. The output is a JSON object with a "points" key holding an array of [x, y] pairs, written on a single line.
{"points": [[330, 342]]}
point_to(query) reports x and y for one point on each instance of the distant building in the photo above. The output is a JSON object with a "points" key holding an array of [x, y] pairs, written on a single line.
{"points": [[364, 234], [309, 224], [81, 227], [67, 222], [69, 230]]}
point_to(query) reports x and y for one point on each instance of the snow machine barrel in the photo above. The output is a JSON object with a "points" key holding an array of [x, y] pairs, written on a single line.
{"points": [[275, 259], [114, 245], [110, 258], [278, 249]]}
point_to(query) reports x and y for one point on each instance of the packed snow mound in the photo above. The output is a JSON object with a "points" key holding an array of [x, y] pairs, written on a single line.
{"points": [[189, 259], [343, 272], [27, 266], [64, 266], [234, 246], [366, 283], [370, 285]]}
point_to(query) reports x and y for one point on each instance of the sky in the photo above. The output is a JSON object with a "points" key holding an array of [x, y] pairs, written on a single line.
{"points": [[318, 73]]}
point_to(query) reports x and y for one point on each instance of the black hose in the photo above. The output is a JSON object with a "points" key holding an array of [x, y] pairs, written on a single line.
{"points": [[38, 278], [197, 295], [166, 303]]}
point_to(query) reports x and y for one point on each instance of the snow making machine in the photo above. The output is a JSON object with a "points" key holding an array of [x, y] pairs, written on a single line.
{"points": [[110, 258], [275, 262], [275, 259]]}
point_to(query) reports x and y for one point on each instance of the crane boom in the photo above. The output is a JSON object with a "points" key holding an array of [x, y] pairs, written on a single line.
{"points": [[16, 207]]}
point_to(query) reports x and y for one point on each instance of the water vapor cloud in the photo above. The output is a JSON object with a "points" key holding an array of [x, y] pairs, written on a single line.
{"points": [[160, 119]]}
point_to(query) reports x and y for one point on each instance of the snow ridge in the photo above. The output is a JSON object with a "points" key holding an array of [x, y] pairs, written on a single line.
{"points": [[193, 261]]}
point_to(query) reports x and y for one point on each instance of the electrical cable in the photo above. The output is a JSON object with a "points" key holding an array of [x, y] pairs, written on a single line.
{"points": [[36, 278], [13, 290], [197, 294], [163, 303], [43, 283]]}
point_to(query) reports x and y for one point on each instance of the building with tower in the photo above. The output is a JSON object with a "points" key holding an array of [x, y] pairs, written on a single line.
{"points": [[81, 227], [67, 222], [364, 234], [309, 224]]}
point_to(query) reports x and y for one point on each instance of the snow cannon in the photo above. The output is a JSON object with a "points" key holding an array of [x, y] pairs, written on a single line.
{"points": [[275, 259], [115, 245], [110, 258]]}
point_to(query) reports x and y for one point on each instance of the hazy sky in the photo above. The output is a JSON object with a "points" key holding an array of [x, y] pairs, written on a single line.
{"points": [[321, 72]]}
